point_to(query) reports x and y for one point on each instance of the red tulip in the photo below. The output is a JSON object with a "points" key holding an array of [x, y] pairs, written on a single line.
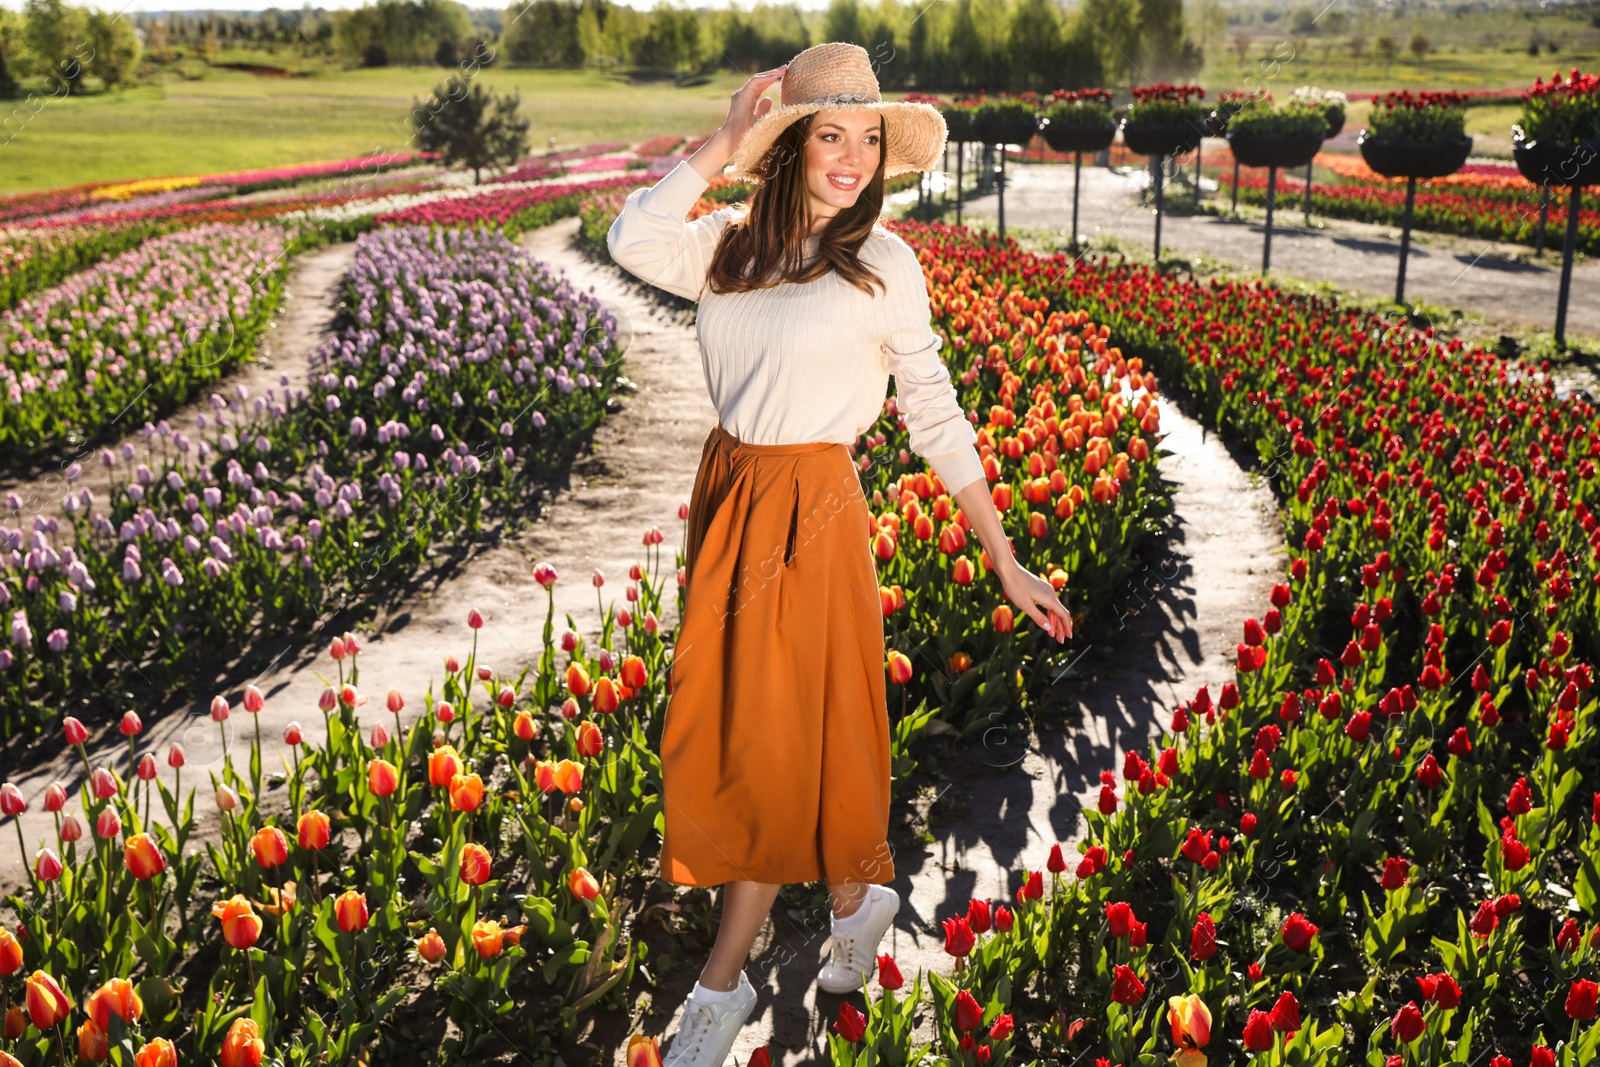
{"points": [[1285, 1013], [11, 800], [47, 865], [1407, 1024], [1298, 932], [968, 1012], [130, 724], [851, 1024], [1126, 988], [76, 732], [475, 864], [582, 884], [1581, 999], [1258, 1033], [978, 915], [1203, 941], [47, 1004], [958, 939], [889, 976], [1119, 918]]}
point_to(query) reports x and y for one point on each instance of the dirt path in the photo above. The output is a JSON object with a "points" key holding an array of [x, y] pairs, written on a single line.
{"points": [[1502, 282]]}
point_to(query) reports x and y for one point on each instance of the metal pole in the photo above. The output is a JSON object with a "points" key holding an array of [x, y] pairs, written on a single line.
{"points": [[1566, 264], [1234, 207], [1544, 217], [1405, 242], [1156, 164], [1308, 193], [1199, 147], [961, 151], [945, 196], [1077, 163], [1272, 194], [1002, 192]]}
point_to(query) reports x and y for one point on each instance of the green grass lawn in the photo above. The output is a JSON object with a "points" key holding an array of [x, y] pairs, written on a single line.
{"points": [[233, 121]]}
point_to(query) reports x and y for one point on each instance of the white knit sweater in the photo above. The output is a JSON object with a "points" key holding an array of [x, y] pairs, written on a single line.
{"points": [[797, 363]]}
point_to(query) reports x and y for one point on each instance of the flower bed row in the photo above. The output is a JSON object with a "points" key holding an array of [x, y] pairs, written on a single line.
{"points": [[1379, 843], [133, 337], [462, 376]]}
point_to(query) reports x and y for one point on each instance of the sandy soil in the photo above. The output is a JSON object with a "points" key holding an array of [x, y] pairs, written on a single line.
{"points": [[1502, 282]]}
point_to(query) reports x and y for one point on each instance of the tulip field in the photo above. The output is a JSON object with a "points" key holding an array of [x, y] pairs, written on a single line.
{"points": [[1379, 843]]}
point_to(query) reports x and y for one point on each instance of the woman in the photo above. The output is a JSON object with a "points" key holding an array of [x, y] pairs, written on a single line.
{"points": [[775, 742]]}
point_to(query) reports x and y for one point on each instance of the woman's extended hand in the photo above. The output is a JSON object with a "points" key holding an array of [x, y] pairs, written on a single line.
{"points": [[1037, 599], [748, 104]]}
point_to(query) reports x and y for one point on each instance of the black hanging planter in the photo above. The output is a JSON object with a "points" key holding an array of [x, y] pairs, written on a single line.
{"points": [[1160, 140], [1078, 140], [1001, 130], [1547, 163], [958, 132], [1334, 121], [1401, 157], [1272, 150]]}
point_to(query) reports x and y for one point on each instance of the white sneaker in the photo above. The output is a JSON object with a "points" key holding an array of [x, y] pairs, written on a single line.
{"points": [[855, 953], [706, 1032]]}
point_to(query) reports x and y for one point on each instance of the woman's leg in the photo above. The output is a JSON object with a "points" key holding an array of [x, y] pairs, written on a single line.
{"points": [[846, 898], [745, 906]]}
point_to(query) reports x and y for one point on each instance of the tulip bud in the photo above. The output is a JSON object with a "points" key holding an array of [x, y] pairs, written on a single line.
{"points": [[430, 946], [175, 756], [47, 865], [16, 1024], [11, 800], [395, 701], [293, 734], [108, 825], [570, 709], [599, 579], [147, 767], [47, 1004], [336, 648], [10, 953], [382, 778], [55, 797], [452, 665], [219, 709], [380, 736], [350, 909], [475, 864], [71, 828], [524, 726], [253, 702], [347, 696], [103, 784], [475, 619], [76, 732], [507, 696], [444, 711], [130, 724], [313, 830], [142, 857], [328, 700], [227, 799]]}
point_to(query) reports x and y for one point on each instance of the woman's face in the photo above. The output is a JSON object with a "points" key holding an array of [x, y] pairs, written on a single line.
{"points": [[842, 152]]}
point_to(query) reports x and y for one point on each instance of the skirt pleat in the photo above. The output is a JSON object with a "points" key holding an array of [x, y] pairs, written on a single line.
{"points": [[775, 743]]}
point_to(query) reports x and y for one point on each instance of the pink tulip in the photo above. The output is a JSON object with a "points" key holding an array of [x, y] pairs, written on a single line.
{"points": [[76, 732], [292, 734], [47, 865], [253, 701], [71, 828], [219, 709], [130, 724], [103, 784], [108, 825], [11, 800], [175, 756], [147, 767], [55, 797]]}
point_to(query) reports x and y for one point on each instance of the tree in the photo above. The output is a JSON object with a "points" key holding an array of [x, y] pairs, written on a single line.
{"points": [[1418, 45], [1241, 46], [543, 34], [477, 129], [113, 47], [1358, 46], [842, 22], [1386, 50], [1165, 50], [1034, 45], [1116, 27], [52, 36]]}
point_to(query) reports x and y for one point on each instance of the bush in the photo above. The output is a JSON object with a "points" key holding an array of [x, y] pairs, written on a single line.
{"points": [[1423, 117]]}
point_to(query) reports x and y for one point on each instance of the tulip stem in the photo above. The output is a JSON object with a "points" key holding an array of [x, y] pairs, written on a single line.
{"points": [[61, 1045], [22, 851]]}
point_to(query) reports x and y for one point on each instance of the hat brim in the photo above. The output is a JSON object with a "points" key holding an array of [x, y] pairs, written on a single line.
{"points": [[915, 135]]}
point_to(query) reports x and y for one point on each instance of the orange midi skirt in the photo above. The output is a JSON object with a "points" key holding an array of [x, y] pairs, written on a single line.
{"points": [[775, 742]]}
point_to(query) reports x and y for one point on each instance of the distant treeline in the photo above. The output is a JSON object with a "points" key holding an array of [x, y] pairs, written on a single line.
{"points": [[946, 46]]}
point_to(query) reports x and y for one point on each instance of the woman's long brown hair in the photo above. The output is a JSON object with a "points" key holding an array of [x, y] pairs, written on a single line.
{"points": [[766, 245]]}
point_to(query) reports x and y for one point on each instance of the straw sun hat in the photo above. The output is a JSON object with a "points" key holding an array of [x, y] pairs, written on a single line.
{"points": [[839, 75]]}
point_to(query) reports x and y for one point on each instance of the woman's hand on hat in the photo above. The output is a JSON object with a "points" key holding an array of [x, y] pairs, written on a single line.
{"points": [[748, 104], [1037, 599]]}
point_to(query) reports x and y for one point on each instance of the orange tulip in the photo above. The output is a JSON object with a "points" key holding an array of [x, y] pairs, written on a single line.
{"points": [[582, 884], [568, 776], [466, 792], [270, 846], [1004, 622], [899, 667], [605, 695], [92, 1043], [47, 1004], [643, 1052], [313, 830], [960, 663], [10, 953], [591, 742], [524, 727], [278, 901], [8, 1060], [431, 947], [475, 864], [487, 938], [514, 935], [15, 1023], [633, 673], [143, 857], [243, 1046], [382, 777], [962, 572], [158, 1053], [1190, 1020], [116, 997], [444, 763], [241, 926], [351, 911], [577, 679], [544, 775]]}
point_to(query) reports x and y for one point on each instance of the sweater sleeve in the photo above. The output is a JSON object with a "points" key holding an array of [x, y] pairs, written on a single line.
{"points": [[652, 240], [927, 400]]}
